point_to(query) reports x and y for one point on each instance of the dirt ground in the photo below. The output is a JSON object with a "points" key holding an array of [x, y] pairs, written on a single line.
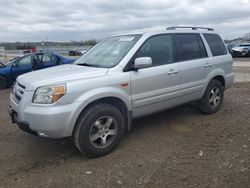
{"points": [[175, 148]]}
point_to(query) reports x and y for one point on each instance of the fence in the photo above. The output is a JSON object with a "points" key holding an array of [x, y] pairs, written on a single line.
{"points": [[6, 55]]}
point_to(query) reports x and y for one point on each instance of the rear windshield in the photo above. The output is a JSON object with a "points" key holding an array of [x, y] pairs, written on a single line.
{"points": [[216, 44]]}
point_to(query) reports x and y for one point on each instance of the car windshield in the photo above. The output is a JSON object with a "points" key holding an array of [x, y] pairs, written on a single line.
{"points": [[108, 52]]}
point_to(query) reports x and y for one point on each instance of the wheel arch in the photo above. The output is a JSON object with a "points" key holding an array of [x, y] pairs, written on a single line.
{"points": [[218, 75], [221, 79], [115, 101]]}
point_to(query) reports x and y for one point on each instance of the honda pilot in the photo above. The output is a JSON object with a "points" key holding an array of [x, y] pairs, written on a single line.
{"points": [[123, 77]]}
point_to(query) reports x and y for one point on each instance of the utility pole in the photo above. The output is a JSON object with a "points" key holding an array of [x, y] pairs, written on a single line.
{"points": [[47, 44]]}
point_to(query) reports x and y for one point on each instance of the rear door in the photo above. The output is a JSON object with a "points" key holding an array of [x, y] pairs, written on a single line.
{"points": [[192, 57], [157, 87]]}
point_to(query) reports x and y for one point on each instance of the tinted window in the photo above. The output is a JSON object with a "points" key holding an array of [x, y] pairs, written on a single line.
{"points": [[216, 44], [159, 48], [189, 46]]}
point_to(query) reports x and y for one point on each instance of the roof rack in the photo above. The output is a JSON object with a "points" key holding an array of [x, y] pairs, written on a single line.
{"points": [[188, 27]]}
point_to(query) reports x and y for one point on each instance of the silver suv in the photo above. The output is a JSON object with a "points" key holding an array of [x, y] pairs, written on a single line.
{"points": [[121, 78]]}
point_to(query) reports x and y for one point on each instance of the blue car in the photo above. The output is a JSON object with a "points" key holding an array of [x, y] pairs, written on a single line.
{"points": [[27, 63]]}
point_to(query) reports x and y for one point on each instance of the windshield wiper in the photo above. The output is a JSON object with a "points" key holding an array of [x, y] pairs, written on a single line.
{"points": [[89, 65], [85, 64]]}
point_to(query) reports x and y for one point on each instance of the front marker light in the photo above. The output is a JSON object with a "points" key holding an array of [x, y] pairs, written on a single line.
{"points": [[49, 94]]}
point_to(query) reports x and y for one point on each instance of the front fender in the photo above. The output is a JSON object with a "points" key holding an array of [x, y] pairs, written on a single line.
{"points": [[90, 96], [95, 94]]}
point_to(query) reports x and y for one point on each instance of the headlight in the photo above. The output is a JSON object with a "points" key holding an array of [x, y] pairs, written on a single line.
{"points": [[49, 94]]}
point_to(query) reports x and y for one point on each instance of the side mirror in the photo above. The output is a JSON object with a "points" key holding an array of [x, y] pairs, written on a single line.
{"points": [[15, 64], [143, 62]]}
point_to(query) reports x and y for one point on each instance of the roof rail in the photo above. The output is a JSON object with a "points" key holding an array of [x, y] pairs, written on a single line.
{"points": [[188, 27]]}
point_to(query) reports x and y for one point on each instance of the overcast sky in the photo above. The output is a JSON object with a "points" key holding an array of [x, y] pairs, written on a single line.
{"points": [[66, 20]]}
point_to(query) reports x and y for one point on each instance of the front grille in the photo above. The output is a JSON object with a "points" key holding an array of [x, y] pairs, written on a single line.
{"points": [[18, 91]]}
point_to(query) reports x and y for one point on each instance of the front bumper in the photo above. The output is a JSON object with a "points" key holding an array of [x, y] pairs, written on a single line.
{"points": [[22, 125], [54, 121]]}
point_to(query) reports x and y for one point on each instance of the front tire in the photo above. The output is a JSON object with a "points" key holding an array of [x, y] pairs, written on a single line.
{"points": [[3, 83], [213, 97], [99, 130]]}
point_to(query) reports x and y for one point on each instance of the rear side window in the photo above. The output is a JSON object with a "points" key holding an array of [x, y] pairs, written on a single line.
{"points": [[216, 44], [189, 46]]}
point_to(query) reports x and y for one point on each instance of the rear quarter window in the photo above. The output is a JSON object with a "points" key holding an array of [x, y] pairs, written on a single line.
{"points": [[215, 44]]}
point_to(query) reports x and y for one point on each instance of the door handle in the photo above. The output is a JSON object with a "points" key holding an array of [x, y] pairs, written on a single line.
{"points": [[207, 65], [172, 71]]}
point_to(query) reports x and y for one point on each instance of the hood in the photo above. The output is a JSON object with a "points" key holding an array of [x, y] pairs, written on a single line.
{"points": [[239, 48], [59, 74]]}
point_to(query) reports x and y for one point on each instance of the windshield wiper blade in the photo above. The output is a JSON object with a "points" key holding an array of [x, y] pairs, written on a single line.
{"points": [[86, 64], [89, 65]]}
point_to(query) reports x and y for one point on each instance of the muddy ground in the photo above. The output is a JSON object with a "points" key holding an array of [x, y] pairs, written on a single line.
{"points": [[175, 148]]}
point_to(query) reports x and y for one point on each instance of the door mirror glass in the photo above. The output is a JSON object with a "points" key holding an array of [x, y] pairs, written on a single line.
{"points": [[143, 62]]}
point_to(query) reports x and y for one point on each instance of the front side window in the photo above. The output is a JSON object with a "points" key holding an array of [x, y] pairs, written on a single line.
{"points": [[189, 46], [25, 61], [159, 48], [215, 44], [108, 52]]}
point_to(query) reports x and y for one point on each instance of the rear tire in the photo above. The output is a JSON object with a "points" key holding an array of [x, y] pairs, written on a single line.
{"points": [[3, 83], [213, 97], [99, 130]]}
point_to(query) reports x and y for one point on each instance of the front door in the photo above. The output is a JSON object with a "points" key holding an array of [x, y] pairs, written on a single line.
{"points": [[157, 87], [21, 66]]}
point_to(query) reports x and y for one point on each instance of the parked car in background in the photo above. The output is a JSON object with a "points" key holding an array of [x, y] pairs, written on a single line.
{"points": [[77, 52], [31, 50], [27, 63], [242, 50], [74, 53]]}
